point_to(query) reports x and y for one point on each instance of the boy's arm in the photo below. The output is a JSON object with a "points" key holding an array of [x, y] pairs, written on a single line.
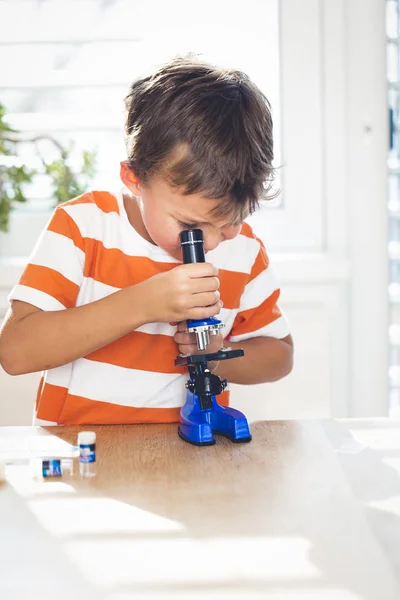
{"points": [[265, 359], [34, 340]]}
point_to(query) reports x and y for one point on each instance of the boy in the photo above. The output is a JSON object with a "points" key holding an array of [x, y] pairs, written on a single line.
{"points": [[102, 304]]}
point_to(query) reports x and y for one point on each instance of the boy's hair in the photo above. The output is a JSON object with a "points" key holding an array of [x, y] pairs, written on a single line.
{"points": [[205, 130]]}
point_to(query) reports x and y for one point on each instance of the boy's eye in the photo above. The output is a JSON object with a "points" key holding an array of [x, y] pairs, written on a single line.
{"points": [[188, 225]]}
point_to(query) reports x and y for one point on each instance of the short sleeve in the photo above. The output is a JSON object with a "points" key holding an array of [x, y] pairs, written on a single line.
{"points": [[259, 313], [54, 273]]}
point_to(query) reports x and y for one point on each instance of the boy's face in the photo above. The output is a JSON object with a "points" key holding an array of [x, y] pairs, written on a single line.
{"points": [[165, 212]]}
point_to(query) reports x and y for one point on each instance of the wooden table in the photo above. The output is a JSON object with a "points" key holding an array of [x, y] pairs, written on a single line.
{"points": [[309, 510]]}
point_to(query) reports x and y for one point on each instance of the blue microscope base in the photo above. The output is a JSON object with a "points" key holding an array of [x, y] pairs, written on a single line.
{"points": [[197, 425]]}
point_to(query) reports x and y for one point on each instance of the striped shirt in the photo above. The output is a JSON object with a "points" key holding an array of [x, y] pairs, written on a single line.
{"points": [[90, 250]]}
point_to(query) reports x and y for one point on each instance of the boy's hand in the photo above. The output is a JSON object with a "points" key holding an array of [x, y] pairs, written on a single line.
{"points": [[187, 343], [188, 291]]}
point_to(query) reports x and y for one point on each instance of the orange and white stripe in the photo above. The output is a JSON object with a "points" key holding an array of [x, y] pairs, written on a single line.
{"points": [[88, 251]]}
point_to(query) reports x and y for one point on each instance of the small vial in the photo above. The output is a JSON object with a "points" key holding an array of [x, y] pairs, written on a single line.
{"points": [[47, 468], [87, 453]]}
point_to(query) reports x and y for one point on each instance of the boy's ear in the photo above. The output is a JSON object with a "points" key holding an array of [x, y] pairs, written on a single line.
{"points": [[129, 178]]}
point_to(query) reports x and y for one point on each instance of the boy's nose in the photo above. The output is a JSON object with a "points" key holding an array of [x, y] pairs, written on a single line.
{"points": [[231, 231], [212, 240]]}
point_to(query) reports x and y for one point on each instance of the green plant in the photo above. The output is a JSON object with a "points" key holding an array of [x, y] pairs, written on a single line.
{"points": [[67, 181]]}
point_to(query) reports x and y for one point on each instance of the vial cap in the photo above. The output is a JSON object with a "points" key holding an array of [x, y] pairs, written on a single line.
{"points": [[86, 438]]}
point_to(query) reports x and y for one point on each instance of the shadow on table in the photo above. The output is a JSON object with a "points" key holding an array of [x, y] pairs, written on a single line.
{"points": [[284, 491]]}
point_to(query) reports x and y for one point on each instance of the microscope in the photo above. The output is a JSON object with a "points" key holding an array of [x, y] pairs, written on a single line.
{"points": [[201, 416]]}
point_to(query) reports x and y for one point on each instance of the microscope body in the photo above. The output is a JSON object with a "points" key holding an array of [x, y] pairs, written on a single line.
{"points": [[202, 416]]}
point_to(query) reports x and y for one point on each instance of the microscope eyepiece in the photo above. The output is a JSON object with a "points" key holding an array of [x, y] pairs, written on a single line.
{"points": [[192, 243]]}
